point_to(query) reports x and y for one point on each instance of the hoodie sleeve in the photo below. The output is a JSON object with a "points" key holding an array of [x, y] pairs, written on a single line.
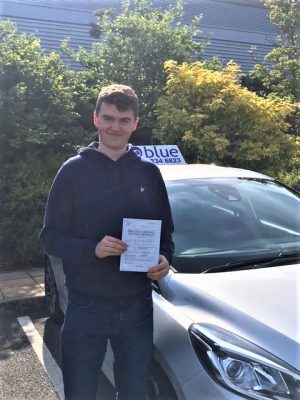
{"points": [[167, 229], [57, 232]]}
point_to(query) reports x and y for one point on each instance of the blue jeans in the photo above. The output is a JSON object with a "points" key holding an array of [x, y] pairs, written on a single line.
{"points": [[127, 323]]}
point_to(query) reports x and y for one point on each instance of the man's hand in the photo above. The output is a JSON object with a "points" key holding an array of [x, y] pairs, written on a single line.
{"points": [[160, 270], [110, 246]]}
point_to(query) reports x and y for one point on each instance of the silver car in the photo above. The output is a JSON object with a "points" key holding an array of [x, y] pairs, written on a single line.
{"points": [[227, 316]]}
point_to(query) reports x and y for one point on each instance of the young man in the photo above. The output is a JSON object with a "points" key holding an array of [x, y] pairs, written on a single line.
{"points": [[88, 200]]}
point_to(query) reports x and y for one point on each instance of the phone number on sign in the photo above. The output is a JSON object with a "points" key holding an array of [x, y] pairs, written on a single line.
{"points": [[166, 160]]}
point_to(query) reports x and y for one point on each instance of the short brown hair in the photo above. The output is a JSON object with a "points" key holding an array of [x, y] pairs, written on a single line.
{"points": [[122, 96]]}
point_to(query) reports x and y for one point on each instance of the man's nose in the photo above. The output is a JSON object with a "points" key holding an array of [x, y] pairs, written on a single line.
{"points": [[115, 125]]}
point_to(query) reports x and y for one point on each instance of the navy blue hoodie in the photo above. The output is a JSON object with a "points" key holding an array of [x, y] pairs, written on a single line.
{"points": [[88, 199]]}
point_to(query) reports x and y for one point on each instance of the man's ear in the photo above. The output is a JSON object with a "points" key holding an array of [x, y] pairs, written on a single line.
{"points": [[96, 119], [136, 123]]}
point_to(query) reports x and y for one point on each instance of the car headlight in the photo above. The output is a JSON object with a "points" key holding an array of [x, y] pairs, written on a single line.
{"points": [[243, 367]]}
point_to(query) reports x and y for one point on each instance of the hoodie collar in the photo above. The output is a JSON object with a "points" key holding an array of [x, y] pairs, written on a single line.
{"points": [[91, 151]]}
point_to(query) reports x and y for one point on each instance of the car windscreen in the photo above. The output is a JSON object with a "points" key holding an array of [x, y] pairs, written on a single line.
{"points": [[228, 220]]}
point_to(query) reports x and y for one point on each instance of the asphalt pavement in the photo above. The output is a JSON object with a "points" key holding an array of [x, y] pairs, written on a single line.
{"points": [[29, 341], [22, 376]]}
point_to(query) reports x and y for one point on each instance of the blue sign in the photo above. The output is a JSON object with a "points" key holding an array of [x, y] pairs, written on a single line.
{"points": [[160, 154]]}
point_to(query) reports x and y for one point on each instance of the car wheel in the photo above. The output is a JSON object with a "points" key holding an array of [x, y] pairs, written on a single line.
{"points": [[51, 294], [159, 387]]}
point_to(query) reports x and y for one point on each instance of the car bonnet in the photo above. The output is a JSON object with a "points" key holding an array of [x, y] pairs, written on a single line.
{"points": [[261, 305]]}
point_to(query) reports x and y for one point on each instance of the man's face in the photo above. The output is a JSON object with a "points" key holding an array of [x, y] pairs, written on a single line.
{"points": [[114, 127]]}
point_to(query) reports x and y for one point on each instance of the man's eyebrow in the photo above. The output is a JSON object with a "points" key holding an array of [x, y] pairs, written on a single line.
{"points": [[110, 116]]}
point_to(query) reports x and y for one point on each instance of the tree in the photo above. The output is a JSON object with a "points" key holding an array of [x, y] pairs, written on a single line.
{"points": [[215, 120], [283, 76], [133, 46], [291, 177], [38, 130], [36, 97]]}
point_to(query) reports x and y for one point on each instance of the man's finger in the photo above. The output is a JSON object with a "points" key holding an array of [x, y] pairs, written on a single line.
{"points": [[113, 243], [111, 239], [115, 246]]}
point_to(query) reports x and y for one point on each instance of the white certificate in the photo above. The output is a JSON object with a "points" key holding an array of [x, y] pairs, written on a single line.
{"points": [[143, 240]]}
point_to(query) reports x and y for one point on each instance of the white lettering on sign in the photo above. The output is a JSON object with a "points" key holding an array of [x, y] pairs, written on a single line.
{"points": [[160, 154]]}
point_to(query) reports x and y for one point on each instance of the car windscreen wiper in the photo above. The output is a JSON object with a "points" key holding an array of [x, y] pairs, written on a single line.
{"points": [[283, 257]]}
